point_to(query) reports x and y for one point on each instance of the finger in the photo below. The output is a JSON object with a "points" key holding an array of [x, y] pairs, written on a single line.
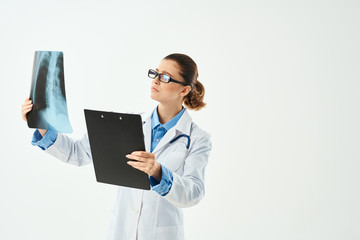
{"points": [[139, 153], [27, 104], [27, 101], [140, 166], [137, 158], [26, 108], [23, 113], [143, 154]]}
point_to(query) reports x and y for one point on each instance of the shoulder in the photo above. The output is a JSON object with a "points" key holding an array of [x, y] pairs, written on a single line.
{"points": [[144, 115], [199, 135], [198, 131]]}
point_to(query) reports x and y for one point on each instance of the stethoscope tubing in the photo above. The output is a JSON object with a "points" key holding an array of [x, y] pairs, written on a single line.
{"points": [[182, 135]]}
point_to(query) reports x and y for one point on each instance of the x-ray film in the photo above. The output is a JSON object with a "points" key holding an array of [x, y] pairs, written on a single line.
{"points": [[48, 93]]}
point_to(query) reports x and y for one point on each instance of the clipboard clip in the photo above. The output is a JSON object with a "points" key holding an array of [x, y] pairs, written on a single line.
{"points": [[102, 116]]}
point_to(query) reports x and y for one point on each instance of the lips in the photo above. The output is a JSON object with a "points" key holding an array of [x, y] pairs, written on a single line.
{"points": [[154, 89]]}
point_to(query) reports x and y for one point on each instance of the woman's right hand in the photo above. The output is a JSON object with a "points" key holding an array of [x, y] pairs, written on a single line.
{"points": [[27, 107]]}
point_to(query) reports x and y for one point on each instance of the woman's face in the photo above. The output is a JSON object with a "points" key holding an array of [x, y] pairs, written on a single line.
{"points": [[168, 92]]}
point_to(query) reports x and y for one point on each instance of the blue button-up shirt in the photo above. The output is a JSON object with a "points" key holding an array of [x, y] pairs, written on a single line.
{"points": [[158, 131]]}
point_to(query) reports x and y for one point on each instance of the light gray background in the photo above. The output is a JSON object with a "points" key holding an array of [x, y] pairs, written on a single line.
{"points": [[282, 88]]}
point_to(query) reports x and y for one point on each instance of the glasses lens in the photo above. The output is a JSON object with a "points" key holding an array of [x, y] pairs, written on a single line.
{"points": [[152, 73], [164, 78]]}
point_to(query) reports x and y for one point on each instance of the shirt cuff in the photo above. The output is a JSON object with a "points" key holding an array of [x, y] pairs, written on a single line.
{"points": [[46, 141], [165, 184]]}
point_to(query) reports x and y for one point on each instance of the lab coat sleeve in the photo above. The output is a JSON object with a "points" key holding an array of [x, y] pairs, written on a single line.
{"points": [[72, 151], [187, 190]]}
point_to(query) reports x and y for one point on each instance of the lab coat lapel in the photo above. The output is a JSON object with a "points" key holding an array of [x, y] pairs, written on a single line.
{"points": [[166, 138], [147, 133], [181, 127], [184, 123]]}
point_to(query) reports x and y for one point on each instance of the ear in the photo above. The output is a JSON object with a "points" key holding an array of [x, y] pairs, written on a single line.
{"points": [[185, 91]]}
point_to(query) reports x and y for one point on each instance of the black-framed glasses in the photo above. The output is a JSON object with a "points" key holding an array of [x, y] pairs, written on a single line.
{"points": [[163, 77]]}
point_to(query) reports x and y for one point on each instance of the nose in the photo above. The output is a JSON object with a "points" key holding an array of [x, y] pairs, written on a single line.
{"points": [[156, 81]]}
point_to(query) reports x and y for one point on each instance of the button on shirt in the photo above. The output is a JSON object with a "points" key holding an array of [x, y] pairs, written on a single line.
{"points": [[158, 131]]}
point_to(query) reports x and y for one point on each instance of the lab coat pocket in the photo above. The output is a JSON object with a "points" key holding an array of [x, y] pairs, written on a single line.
{"points": [[175, 160]]}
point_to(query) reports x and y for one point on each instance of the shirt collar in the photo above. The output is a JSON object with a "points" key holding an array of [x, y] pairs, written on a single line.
{"points": [[156, 122]]}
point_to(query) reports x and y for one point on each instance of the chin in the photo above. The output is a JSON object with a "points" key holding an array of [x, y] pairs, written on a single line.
{"points": [[154, 97]]}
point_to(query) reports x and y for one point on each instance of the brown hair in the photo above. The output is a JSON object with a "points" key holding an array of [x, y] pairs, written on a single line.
{"points": [[189, 72]]}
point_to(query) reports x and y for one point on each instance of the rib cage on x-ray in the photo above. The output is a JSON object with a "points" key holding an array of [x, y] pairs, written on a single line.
{"points": [[48, 93]]}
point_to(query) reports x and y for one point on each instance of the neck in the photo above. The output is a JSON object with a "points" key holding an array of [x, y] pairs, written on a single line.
{"points": [[167, 112]]}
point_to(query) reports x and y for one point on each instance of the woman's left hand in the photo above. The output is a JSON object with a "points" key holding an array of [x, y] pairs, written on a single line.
{"points": [[145, 162]]}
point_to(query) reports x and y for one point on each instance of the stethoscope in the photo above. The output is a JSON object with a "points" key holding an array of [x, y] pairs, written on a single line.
{"points": [[176, 138], [182, 135]]}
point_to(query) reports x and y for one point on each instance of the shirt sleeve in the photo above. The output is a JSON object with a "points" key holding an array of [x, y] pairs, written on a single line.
{"points": [[165, 184], [46, 141]]}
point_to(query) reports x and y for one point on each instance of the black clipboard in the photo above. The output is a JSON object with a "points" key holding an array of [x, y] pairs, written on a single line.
{"points": [[113, 135]]}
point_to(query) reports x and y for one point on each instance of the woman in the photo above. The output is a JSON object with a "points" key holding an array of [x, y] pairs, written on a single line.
{"points": [[177, 152]]}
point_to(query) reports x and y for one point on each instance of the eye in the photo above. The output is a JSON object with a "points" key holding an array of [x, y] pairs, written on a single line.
{"points": [[166, 78]]}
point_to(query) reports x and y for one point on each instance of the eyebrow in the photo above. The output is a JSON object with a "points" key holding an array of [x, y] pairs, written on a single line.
{"points": [[164, 72]]}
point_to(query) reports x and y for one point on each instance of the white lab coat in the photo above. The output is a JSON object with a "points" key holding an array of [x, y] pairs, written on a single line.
{"points": [[140, 214]]}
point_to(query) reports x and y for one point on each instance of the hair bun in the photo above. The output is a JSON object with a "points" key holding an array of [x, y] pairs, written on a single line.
{"points": [[194, 100]]}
